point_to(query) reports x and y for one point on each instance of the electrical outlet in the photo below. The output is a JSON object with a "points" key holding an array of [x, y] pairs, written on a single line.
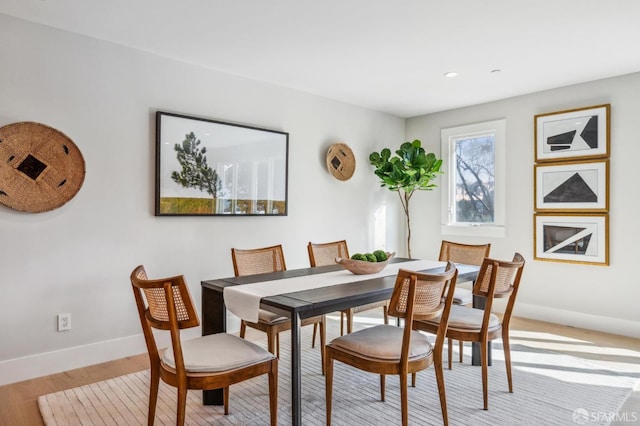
{"points": [[64, 322]]}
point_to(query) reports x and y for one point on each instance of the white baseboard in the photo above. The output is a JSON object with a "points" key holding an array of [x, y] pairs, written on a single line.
{"points": [[44, 364], [578, 319]]}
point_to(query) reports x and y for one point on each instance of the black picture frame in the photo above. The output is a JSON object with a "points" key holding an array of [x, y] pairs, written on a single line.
{"points": [[206, 167]]}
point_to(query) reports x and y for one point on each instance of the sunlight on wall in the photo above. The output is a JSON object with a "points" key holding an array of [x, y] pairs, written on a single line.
{"points": [[380, 228]]}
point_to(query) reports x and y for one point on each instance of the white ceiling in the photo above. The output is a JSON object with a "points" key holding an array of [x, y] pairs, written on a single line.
{"points": [[387, 55]]}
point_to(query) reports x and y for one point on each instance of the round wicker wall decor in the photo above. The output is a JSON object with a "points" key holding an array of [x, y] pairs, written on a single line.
{"points": [[40, 167], [341, 161]]}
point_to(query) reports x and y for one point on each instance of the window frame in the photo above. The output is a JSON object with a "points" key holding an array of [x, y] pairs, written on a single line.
{"points": [[448, 136]]}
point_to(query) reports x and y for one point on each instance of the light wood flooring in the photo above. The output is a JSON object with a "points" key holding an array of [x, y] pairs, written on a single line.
{"points": [[18, 401]]}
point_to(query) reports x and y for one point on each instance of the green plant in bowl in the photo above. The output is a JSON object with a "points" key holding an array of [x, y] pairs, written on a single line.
{"points": [[370, 257], [362, 263], [380, 255], [359, 256]]}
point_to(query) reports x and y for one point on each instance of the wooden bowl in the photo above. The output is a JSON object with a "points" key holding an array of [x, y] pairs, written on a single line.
{"points": [[362, 267]]}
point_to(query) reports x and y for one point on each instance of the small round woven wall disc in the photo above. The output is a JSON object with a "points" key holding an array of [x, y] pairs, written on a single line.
{"points": [[40, 167], [341, 161]]}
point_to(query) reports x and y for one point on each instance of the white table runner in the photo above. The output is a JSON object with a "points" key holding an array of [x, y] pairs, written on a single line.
{"points": [[244, 300]]}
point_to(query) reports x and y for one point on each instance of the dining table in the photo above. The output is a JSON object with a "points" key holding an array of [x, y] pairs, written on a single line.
{"points": [[335, 290]]}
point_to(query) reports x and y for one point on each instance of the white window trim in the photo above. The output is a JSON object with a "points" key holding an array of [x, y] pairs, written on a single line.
{"points": [[496, 229]]}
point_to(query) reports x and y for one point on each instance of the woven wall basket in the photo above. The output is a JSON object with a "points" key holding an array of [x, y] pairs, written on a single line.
{"points": [[40, 167], [341, 161]]}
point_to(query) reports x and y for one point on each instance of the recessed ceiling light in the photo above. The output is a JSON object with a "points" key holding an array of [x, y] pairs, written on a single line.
{"points": [[450, 74]]}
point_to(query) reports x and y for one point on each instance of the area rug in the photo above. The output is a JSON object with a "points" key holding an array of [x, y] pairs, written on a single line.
{"points": [[549, 389]]}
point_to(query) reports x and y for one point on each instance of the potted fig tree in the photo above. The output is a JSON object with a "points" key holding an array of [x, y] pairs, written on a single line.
{"points": [[410, 169]]}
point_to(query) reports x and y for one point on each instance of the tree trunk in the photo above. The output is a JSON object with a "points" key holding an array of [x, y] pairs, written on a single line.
{"points": [[408, 235], [405, 206]]}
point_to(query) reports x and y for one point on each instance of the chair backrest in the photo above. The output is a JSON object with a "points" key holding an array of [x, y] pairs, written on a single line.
{"points": [[258, 261], [321, 254], [428, 300], [499, 278], [469, 254], [163, 304], [417, 296]]}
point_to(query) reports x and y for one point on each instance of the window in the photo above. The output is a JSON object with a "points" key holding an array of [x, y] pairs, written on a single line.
{"points": [[473, 163]]}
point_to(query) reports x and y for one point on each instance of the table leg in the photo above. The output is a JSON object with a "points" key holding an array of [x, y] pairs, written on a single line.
{"points": [[479, 302], [214, 320], [296, 372]]}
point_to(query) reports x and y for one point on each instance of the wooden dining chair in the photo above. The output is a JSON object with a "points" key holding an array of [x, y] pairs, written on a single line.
{"points": [[386, 349], [209, 362], [470, 254], [264, 260], [496, 279], [321, 254]]}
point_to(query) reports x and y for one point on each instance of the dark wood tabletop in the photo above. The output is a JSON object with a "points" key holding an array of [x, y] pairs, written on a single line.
{"points": [[299, 305]]}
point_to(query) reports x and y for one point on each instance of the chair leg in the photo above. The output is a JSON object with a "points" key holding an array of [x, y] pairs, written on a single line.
{"points": [[437, 365], [273, 393], [350, 321], [413, 379], [243, 328], [225, 396], [507, 357], [153, 393], [382, 387], [313, 336], [461, 343], [342, 323], [485, 379], [404, 399], [450, 351], [271, 342], [278, 345], [328, 377], [385, 313], [182, 405], [323, 340]]}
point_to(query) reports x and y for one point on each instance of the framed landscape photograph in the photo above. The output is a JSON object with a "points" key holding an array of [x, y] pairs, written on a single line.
{"points": [[572, 238], [212, 168], [581, 133], [572, 186]]}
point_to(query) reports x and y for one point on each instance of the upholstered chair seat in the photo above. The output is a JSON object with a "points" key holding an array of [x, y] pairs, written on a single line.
{"points": [[362, 308], [463, 296], [217, 353], [384, 342], [469, 319], [271, 317]]}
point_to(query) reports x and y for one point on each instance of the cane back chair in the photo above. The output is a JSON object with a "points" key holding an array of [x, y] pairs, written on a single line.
{"points": [[470, 254], [387, 349], [321, 254], [496, 279], [264, 260], [209, 362]]}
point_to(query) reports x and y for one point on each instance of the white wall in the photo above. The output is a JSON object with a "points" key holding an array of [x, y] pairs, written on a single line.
{"points": [[594, 297], [77, 258]]}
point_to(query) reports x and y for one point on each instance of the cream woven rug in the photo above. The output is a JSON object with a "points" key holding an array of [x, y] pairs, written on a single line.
{"points": [[549, 389]]}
